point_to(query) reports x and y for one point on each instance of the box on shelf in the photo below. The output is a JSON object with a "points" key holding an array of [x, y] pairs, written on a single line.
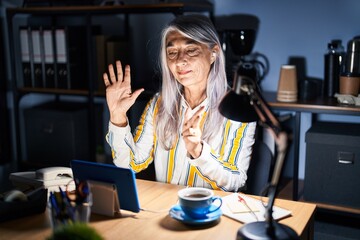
{"points": [[332, 169]]}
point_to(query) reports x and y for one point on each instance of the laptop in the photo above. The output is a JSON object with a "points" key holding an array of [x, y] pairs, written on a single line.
{"points": [[122, 190]]}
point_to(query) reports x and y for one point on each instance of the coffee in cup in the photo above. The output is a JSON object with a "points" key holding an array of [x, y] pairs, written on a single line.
{"points": [[196, 202]]}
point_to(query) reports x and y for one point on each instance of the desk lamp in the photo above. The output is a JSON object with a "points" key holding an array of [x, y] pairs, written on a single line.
{"points": [[245, 103]]}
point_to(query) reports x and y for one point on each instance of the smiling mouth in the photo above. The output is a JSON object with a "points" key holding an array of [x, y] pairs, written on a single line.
{"points": [[184, 72]]}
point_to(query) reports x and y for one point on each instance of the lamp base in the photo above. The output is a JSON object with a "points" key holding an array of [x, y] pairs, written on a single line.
{"points": [[258, 230]]}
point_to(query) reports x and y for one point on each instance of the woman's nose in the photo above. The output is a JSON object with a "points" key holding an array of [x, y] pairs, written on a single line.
{"points": [[181, 59]]}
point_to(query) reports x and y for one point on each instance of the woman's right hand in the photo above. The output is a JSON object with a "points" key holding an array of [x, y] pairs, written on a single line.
{"points": [[119, 96]]}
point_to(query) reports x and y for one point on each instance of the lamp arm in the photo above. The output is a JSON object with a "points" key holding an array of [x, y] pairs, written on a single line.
{"points": [[266, 116], [272, 123]]}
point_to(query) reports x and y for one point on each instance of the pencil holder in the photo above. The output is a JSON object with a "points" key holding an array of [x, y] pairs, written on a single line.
{"points": [[62, 211]]}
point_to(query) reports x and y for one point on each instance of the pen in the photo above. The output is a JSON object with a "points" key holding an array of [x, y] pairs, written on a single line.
{"points": [[54, 205], [242, 200], [68, 209]]}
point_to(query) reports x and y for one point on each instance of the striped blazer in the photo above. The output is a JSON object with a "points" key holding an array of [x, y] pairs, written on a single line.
{"points": [[222, 164]]}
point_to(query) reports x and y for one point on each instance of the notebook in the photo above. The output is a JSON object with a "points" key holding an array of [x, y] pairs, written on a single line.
{"points": [[233, 208], [122, 180]]}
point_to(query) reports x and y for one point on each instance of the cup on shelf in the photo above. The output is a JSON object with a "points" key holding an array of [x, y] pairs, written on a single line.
{"points": [[287, 86], [349, 84], [197, 202]]}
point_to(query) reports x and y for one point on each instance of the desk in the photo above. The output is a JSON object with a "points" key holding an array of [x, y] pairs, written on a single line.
{"points": [[155, 223], [316, 106]]}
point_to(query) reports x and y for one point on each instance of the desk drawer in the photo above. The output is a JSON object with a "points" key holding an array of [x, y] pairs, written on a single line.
{"points": [[332, 169]]}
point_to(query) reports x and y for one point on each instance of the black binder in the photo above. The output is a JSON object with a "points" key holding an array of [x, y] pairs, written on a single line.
{"points": [[37, 58], [25, 56], [62, 67], [49, 58], [71, 52]]}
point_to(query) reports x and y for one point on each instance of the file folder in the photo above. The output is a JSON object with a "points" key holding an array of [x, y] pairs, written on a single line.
{"points": [[76, 37], [71, 57], [49, 58], [63, 79], [25, 56], [101, 62], [37, 58]]}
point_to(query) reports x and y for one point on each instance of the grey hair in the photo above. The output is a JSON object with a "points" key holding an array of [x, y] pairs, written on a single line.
{"points": [[200, 29]]}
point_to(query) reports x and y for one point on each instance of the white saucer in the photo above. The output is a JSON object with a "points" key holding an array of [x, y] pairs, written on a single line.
{"points": [[177, 213]]}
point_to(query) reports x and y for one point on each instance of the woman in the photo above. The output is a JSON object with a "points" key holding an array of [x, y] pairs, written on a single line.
{"points": [[181, 129]]}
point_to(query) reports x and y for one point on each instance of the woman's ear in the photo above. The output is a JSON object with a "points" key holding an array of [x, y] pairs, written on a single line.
{"points": [[214, 54]]}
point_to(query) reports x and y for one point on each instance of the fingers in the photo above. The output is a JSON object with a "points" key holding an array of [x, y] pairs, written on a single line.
{"points": [[136, 94], [194, 120], [127, 76], [106, 80], [120, 76], [191, 126], [119, 70], [112, 73]]}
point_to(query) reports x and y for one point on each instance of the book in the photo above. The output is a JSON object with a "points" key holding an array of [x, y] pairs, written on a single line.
{"points": [[25, 56], [235, 209]]}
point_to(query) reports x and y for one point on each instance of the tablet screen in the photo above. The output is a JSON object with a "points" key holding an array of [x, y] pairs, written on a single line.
{"points": [[122, 178]]}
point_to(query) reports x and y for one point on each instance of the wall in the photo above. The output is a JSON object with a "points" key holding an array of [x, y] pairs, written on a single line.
{"points": [[298, 29]]}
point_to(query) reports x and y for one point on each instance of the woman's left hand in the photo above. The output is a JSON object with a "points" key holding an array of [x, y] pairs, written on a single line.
{"points": [[192, 132]]}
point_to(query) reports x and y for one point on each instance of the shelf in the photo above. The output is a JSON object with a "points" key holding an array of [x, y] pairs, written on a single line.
{"points": [[176, 8], [27, 90], [319, 105], [146, 95], [64, 13]]}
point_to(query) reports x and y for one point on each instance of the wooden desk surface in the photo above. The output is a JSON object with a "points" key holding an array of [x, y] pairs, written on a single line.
{"points": [[154, 222]]}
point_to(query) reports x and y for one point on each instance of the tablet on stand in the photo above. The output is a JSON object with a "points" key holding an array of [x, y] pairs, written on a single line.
{"points": [[113, 188]]}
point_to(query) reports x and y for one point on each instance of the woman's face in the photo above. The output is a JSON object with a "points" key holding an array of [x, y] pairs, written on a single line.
{"points": [[188, 61]]}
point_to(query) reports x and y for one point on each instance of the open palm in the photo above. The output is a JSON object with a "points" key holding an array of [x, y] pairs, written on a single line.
{"points": [[119, 97]]}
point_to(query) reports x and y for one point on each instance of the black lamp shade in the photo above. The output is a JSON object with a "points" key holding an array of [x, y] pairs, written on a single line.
{"points": [[237, 107]]}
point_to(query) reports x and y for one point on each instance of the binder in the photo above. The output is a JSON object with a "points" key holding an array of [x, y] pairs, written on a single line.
{"points": [[62, 67], [78, 56], [25, 56], [101, 62], [71, 57], [49, 58], [37, 58]]}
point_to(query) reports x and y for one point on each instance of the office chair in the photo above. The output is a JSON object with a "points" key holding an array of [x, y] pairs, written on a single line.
{"points": [[260, 168]]}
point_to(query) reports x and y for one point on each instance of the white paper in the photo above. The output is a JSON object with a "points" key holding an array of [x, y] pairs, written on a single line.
{"points": [[24, 44], [247, 216]]}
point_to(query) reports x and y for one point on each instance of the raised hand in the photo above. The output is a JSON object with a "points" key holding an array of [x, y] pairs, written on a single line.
{"points": [[192, 132], [119, 96]]}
